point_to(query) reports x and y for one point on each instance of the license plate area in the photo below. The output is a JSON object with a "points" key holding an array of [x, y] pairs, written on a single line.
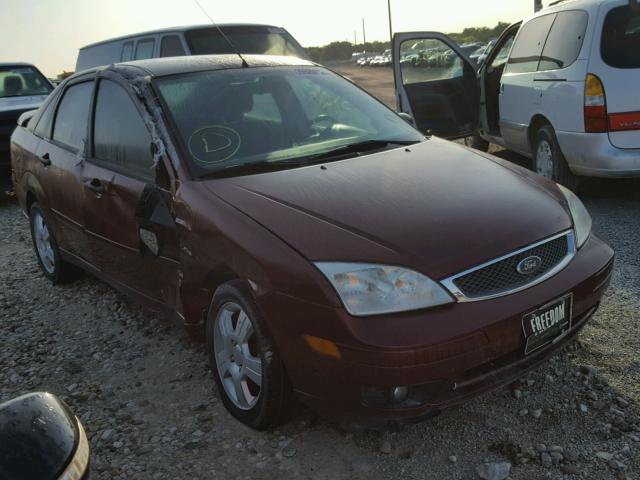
{"points": [[547, 324]]}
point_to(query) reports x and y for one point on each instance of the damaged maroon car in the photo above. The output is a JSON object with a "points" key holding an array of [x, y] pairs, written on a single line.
{"points": [[322, 246]]}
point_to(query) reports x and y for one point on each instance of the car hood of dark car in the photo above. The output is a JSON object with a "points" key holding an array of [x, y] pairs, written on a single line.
{"points": [[436, 207]]}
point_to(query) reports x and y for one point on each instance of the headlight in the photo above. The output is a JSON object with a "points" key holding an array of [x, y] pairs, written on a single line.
{"points": [[580, 215], [367, 289]]}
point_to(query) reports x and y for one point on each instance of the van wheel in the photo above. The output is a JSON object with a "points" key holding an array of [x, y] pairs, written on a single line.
{"points": [[549, 161], [477, 142], [53, 266], [246, 366]]}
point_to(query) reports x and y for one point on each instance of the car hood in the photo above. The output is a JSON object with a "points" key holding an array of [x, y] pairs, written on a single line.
{"points": [[436, 207], [8, 104]]}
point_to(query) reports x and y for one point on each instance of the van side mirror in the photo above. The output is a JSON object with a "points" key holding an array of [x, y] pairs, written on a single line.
{"points": [[41, 438], [407, 118]]}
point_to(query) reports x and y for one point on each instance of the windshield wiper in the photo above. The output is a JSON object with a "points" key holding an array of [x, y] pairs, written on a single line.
{"points": [[248, 169], [353, 149]]}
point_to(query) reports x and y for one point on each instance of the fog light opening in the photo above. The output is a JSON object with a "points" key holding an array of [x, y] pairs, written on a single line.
{"points": [[399, 394]]}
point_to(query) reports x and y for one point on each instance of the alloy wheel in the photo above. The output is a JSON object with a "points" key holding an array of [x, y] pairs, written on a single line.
{"points": [[43, 243], [237, 356], [544, 159]]}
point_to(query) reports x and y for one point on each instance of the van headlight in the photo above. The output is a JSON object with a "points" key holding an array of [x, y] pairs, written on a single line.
{"points": [[369, 289], [581, 218]]}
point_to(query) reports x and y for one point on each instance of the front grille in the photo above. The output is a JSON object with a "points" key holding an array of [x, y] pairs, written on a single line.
{"points": [[503, 276]]}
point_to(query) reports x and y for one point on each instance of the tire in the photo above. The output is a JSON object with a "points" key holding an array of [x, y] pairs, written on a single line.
{"points": [[236, 350], [549, 161], [47, 251], [477, 142]]}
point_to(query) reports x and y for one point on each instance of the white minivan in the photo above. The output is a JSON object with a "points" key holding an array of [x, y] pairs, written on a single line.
{"points": [[561, 88], [192, 40]]}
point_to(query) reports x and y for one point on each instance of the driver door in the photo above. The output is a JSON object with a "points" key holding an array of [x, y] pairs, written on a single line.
{"points": [[436, 84]]}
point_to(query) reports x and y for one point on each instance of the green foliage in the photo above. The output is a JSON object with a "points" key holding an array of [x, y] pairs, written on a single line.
{"points": [[343, 50]]}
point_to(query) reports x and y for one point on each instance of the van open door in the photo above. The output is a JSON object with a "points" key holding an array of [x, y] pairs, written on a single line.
{"points": [[436, 84]]}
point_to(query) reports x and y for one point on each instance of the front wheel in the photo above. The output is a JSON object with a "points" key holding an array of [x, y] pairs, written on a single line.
{"points": [[246, 366], [549, 161]]}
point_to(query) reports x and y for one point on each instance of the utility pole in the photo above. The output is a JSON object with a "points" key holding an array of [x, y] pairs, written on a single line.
{"points": [[537, 5], [390, 24], [364, 35], [355, 37]]}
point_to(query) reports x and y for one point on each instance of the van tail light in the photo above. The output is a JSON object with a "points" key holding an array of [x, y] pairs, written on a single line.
{"points": [[595, 106]]}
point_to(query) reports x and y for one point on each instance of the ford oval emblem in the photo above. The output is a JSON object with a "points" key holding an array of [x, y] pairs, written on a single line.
{"points": [[529, 265]]}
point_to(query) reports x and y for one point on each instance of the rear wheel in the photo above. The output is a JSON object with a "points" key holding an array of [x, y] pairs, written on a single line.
{"points": [[549, 161], [477, 142], [246, 366], [53, 266]]}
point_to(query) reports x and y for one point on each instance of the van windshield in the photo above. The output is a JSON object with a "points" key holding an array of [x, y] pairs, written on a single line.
{"points": [[621, 38], [22, 81], [258, 40]]}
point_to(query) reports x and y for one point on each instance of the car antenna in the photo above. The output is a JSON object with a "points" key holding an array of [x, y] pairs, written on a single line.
{"points": [[233, 47]]}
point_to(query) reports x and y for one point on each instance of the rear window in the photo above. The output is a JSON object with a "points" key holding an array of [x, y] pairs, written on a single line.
{"points": [[247, 39], [621, 38], [564, 41]]}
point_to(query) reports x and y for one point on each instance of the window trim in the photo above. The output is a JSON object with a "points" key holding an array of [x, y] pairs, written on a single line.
{"points": [[64, 146], [51, 102], [143, 40], [130, 42], [584, 35], [90, 156]]}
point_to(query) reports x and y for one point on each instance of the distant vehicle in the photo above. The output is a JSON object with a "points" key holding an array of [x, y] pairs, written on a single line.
{"points": [[192, 40], [22, 88], [40, 438], [559, 88]]}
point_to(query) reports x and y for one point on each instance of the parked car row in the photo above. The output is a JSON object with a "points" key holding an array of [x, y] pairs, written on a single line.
{"points": [[381, 60]]}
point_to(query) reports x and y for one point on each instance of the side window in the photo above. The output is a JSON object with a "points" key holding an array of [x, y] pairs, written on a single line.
{"points": [[127, 52], [171, 46], [423, 61], [565, 40], [120, 138], [503, 54], [526, 52], [144, 49], [43, 128], [70, 127]]}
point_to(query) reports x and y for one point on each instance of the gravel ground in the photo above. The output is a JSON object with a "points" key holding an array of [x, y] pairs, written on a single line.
{"points": [[142, 388]]}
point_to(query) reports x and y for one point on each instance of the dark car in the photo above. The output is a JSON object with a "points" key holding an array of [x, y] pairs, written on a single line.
{"points": [[320, 244], [22, 88], [41, 439]]}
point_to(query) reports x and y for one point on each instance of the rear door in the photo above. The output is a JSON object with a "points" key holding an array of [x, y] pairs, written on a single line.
{"points": [[616, 61], [436, 83], [119, 168]]}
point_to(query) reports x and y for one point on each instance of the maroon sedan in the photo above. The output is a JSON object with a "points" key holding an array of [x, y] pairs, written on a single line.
{"points": [[322, 246]]}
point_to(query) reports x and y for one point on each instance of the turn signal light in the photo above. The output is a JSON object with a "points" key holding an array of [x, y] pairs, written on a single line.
{"points": [[595, 106], [323, 347]]}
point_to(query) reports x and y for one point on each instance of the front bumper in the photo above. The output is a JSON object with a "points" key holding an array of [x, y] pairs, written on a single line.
{"points": [[593, 155], [445, 355]]}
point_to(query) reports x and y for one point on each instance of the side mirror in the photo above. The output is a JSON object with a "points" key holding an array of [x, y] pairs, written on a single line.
{"points": [[41, 438], [407, 118], [154, 218], [23, 119]]}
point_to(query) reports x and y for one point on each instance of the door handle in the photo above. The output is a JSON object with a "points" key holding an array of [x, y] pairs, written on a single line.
{"points": [[96, 186], [45, 159]]}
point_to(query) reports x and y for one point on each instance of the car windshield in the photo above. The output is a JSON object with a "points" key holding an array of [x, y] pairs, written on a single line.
{"points": [[22, 81], [248, 39], [276, 115]]}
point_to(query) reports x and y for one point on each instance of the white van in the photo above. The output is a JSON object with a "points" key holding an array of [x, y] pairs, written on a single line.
{"points": [[560, 88], [193, 40]]}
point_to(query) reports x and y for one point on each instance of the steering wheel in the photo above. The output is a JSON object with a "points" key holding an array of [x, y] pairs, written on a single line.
{"points": [[325, 119]]}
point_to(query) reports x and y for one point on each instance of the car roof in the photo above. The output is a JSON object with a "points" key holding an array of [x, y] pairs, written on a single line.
{"points": [[160, 67], [573, 4], [17, 64], [179, 29]]}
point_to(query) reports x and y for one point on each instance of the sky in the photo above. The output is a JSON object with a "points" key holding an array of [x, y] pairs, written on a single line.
{"points": [[48, 33]]}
